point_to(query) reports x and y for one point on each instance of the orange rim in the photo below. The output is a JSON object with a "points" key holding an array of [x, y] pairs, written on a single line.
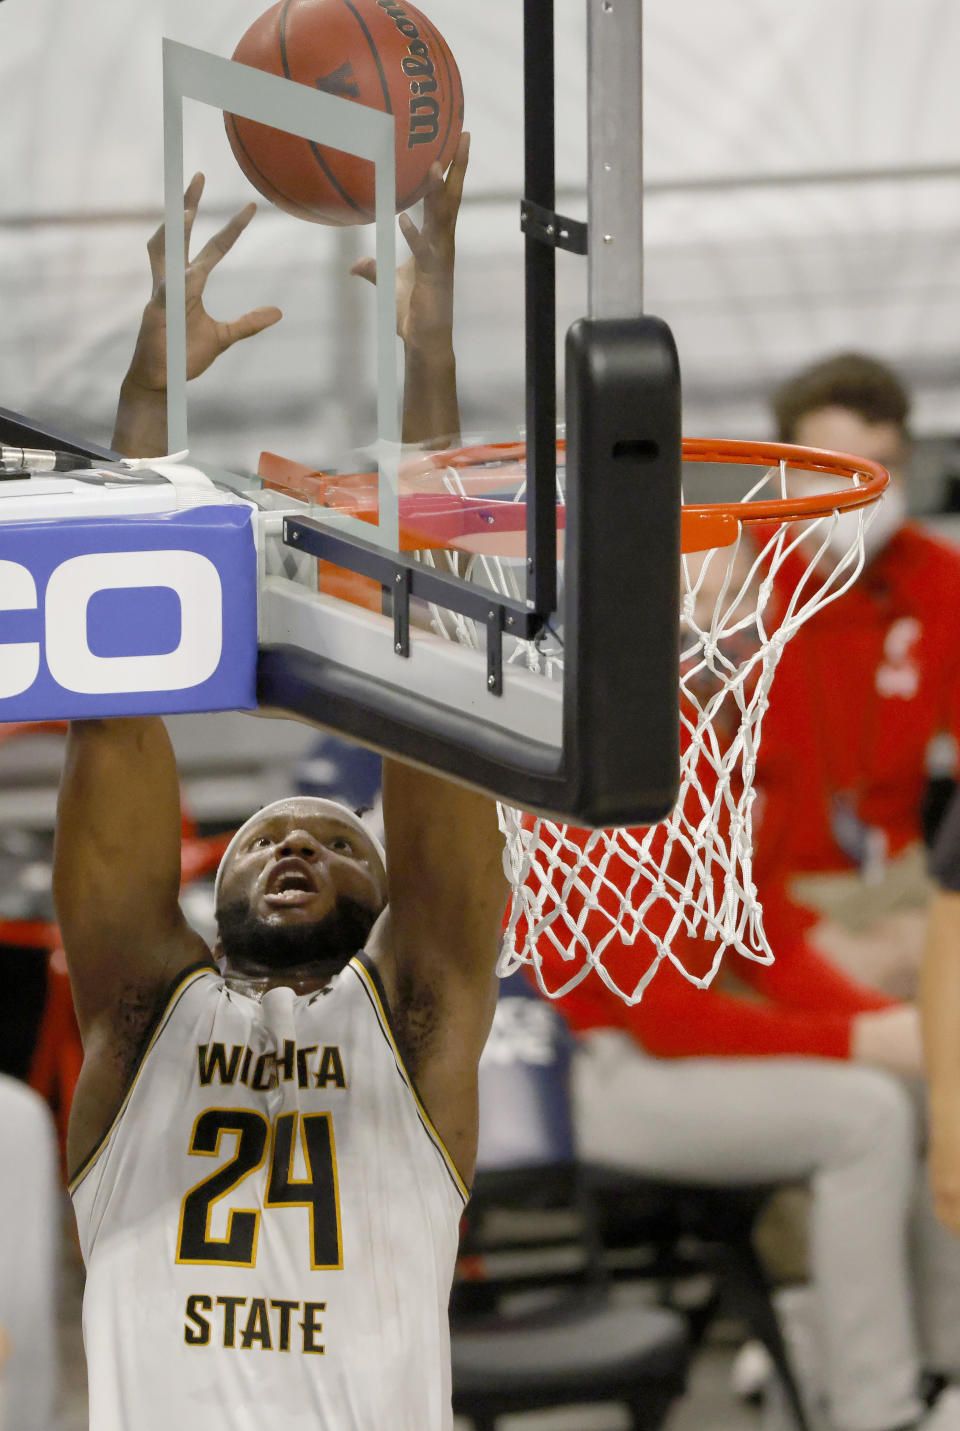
{"points": [[868, 479], [704, 525], [716, 524]]}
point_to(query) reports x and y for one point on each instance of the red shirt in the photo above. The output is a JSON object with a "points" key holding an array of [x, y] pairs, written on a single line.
{"points": [[860, 692], [800, 1004]]}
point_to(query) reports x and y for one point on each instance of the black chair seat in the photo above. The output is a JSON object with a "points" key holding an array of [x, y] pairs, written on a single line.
{"points": [[571, 1344], [627, 1199], [679, 1228]]}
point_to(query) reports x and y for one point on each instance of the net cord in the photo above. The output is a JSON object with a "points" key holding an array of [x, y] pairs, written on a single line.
{"points": [[692, 874]]}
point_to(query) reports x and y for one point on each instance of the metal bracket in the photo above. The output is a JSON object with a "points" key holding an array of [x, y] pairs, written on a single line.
{"points": [[404, 577], [495, 616], [553, 229], [401, 613]]}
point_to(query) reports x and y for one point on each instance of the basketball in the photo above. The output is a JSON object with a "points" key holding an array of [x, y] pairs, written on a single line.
{"points": [[376, 52]]}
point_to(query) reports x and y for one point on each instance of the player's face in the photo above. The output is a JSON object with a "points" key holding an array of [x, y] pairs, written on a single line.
{"points": [[302, 880]]}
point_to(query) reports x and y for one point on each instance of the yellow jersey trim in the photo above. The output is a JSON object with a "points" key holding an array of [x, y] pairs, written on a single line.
{"points": [[175, 993], [365, 970]]}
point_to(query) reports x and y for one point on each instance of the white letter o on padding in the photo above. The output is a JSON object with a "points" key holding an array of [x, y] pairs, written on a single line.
{"points": [[193, 578]]}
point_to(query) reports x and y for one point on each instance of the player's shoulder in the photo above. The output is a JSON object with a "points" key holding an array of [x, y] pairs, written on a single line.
{"points": [[198, 980]]}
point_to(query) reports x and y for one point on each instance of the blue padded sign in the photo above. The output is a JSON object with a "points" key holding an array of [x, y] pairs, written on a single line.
{"points": [[128, 615]]}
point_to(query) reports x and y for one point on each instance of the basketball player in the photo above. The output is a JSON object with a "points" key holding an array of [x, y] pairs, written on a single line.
{"points": [[273, 1139]]}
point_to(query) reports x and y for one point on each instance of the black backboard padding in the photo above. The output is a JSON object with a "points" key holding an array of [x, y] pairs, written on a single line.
{"points": [[517, 769], [622, 573]]}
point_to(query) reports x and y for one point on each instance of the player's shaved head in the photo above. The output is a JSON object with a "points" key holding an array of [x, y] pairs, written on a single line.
{"points": [[300, 884]]}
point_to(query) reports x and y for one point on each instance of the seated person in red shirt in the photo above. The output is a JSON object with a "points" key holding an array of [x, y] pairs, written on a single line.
{"points": [[863, 697]]}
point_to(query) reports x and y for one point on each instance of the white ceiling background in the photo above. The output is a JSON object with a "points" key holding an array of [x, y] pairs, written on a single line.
{"points": [[803, 166]]}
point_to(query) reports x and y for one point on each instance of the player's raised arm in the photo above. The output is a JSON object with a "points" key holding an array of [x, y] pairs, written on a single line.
{"points": [[425, 308], [117, 852], [437, 945], [117, 868]]}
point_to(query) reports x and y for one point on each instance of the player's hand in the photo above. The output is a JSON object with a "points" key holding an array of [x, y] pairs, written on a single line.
{"points": [[889, 1038], [425, 280], [207, 337]]}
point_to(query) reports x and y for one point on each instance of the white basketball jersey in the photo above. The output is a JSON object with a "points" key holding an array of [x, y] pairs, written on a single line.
{"points": [[270, 1225]]}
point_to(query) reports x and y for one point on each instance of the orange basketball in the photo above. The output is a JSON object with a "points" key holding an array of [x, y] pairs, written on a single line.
{"points": [[378, 52]]}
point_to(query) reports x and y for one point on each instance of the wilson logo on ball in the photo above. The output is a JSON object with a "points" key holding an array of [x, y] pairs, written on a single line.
{"points": [[419, 69], [378, 53]]}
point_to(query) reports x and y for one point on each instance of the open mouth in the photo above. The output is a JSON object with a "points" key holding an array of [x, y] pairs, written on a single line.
{"points": [[290, 884]]}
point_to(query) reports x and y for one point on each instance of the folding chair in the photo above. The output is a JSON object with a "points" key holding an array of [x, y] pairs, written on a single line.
{"points": [[535, 1321]]}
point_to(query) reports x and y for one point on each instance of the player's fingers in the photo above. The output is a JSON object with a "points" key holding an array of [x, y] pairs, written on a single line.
{"points": [[191, 202], [156, 243], [223, 241], [434, 180], [434, 197], [411, 234], [365, 268], [253, 322], [453, 185], [155, 253]]}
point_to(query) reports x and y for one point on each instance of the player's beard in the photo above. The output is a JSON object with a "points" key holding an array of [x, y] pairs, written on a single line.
{"points": [[248, 942]]}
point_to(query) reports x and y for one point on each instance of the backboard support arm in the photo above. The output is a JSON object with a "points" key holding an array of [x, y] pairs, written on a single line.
{"points": [[541, 304], [615, 157]]}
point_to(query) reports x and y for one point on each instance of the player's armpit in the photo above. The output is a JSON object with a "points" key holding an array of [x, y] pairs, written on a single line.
{"points": [[438, 947], [117, 866]]}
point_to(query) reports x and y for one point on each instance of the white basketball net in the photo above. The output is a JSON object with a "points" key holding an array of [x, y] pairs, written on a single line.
{"points": [[576, 892]]}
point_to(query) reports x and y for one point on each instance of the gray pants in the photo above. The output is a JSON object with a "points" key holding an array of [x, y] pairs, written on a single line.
{"points": [[886, 1275]]}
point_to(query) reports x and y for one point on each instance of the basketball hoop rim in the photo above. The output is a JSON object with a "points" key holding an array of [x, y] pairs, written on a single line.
{"points": [[703, 525], [805, 459], [733, 451], [716, 524]]}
